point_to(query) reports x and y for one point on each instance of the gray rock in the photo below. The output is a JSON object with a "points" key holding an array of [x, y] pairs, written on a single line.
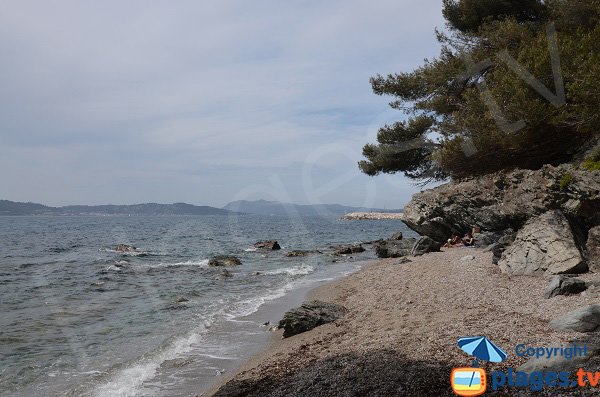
{"points": [[503, 242], [224, 260], [394, 248], [503, 200], [593, 249], [403, 261], [125, 248], [348, 250], [300, 253], [467, 258], [425, 245], [585, 319], [268, 245], [310, 315], [561, 285], [545, 245], [397, 236], [226, 273]]}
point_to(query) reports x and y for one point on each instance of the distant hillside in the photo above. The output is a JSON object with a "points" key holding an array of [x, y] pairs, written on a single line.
{"points": [[263, 207], [16, 208]]}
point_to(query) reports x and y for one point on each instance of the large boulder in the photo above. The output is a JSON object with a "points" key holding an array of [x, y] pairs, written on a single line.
{"points": [[593, 249], [268, 245], [503, 200], [561, 285], [224, 261], [502, 244], [425, 245], [586, 319], [394, 248], [545, 245], [308, 316]]}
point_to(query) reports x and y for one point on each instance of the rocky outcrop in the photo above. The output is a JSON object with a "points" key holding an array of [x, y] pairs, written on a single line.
{"points": [[425, 245], [505, 200], [348, 250], [561, 285], [593, 249], [310, 315], [394, 248], [397, 236], [224, 261], [268, 245], [545, 245], [586, 319]]}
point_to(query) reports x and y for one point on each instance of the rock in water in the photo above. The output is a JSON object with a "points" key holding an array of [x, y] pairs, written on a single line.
{"points": [[586, 319], [545, 245], [299, 253], [125, 248], [593, 249], [224, 260], [310, 315], [268, 245], [349, 250], [561, 285], [425, 245]]}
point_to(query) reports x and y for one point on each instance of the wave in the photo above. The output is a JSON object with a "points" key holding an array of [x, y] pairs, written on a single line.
{"points": [[127, 381], [301, 270]]}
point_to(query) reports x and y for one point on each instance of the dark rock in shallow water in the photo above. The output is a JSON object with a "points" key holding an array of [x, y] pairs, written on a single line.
{"points": [[308, 316], [425, 245], [561, 285], [268, 245], [586, 319], [226, 273], [349, 250], [394, 248], [545, 245], [224, 260], [124, 248], [299, 253], [181, 299]]}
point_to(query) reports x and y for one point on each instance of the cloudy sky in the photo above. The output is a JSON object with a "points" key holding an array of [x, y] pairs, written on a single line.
{"points": [[201, 101]]}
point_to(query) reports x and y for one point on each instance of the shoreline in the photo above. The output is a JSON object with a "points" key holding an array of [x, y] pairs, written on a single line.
{"points": [[399, 336]]}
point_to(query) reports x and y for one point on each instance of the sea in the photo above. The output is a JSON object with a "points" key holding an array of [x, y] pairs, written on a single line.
{"points": [[81, 319]]}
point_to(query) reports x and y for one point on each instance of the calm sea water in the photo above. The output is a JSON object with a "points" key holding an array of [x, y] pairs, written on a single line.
{"points": [[79, 319]]}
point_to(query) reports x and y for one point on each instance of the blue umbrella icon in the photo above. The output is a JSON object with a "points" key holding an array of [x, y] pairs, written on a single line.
{"points": [[482, 348]]}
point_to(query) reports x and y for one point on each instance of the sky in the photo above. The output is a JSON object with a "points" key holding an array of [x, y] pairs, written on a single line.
{"points": [[203, 102]]}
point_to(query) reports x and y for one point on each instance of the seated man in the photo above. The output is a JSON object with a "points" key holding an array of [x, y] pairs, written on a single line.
{"points": [[453, 241], [468, 240]]}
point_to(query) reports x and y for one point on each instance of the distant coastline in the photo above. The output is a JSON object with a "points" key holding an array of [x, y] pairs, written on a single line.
{"points": [[363, 216]]}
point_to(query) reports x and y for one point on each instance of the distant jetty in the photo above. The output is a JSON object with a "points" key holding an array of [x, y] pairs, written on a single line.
{"points": [[363, 216]]}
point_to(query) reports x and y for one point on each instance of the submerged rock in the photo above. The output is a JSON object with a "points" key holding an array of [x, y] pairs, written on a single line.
{"points": [[300, 253], [124, 248], [586, 319], [545, 245], [268, 245], [310, 315], [224, 260]]}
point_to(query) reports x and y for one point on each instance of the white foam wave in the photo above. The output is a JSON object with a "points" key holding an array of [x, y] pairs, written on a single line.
{"points": [[127, 381], [301, 270], [198, 263], [253, 249], [248, 306]]}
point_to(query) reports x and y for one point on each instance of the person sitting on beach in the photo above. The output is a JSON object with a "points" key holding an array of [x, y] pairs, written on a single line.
{"points": [[468, 240], [453, 241]]}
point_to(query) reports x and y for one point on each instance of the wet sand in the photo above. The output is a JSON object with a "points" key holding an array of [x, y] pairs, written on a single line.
{"points": [[399, 336]]}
